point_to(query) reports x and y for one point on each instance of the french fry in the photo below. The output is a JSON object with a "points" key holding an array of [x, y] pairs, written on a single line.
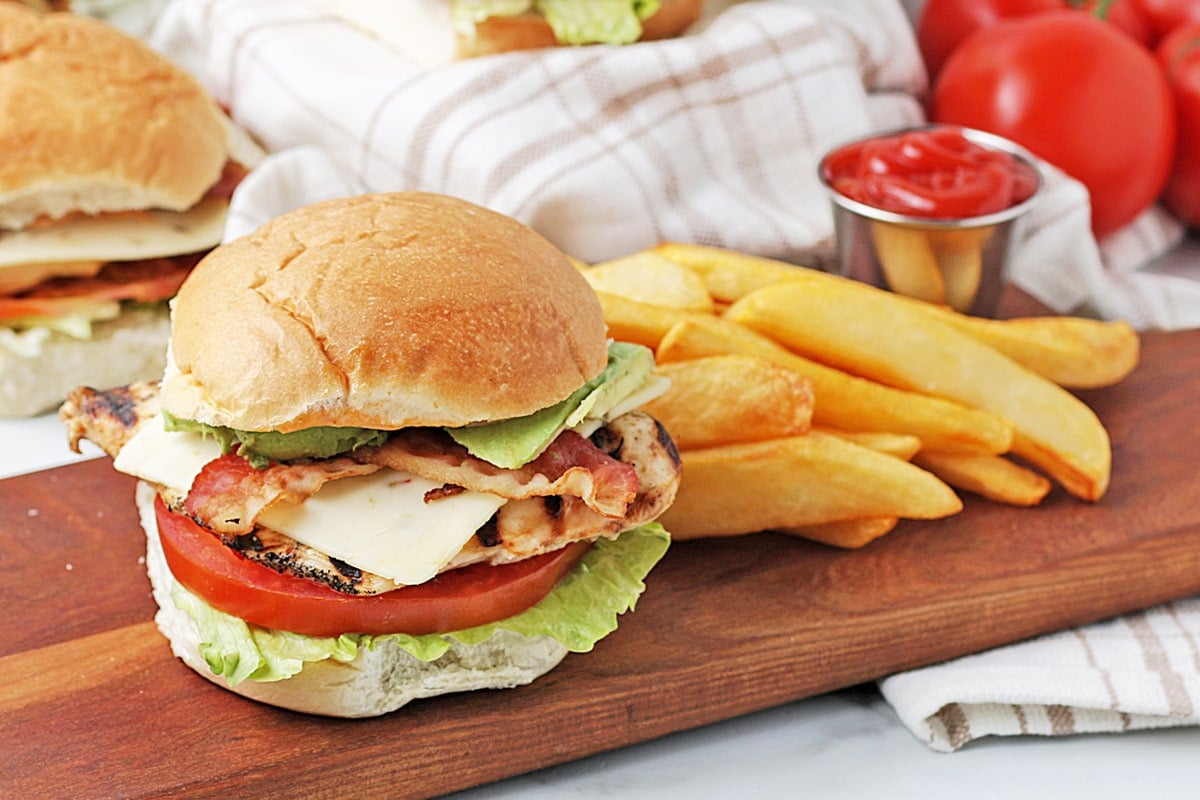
{"points": [[959, 254], [798, 481], [848, 534], [907, 262], [640, 323], [869, 332], [896, 445], [729, 275], [844, 401], [649, 277], [731, 398], [1074, 352], [993, 477]]}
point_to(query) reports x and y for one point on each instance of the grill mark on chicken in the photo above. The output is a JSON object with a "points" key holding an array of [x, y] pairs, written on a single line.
{"points": [[246, 542], [349, 570], [285, 555], [108, 419], [488, 535]]}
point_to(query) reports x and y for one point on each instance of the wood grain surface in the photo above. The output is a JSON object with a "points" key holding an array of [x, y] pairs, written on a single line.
{"points": [[92, 703]]}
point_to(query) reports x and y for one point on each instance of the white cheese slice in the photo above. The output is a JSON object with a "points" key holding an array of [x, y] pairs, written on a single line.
{"points": [[380, 522], [166, 458], [118, 237]]}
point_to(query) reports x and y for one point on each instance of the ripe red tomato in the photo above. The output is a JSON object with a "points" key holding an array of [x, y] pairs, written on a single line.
{"points": [[455, 600], [945, 24], [1125, 15], [1078, 94], [1164, 16], [1179, 54]]}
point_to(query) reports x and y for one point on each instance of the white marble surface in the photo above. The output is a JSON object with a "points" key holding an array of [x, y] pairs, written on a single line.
{"points": [[847, 744], [850, 745]]}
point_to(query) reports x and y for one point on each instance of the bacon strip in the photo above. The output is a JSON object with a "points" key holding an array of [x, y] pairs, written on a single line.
{"points": [[229, 494], [232, 174], [570, 466]]}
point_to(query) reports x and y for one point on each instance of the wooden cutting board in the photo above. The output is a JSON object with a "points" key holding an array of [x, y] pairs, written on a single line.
{"points": [[92, 703]]}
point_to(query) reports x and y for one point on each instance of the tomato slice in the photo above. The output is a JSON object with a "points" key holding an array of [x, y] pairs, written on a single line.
{"points": [[455, 600]]}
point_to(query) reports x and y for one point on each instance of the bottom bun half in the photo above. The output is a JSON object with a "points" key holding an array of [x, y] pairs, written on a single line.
{"points": [[379, 680], [36, 374]]}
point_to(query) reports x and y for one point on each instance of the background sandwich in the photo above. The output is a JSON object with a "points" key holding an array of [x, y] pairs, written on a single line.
{"points": [[438, 31], [393, 455], [115, 176]]}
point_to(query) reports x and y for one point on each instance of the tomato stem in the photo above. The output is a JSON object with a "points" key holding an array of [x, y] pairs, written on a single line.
{"points": [[1099, 11]]}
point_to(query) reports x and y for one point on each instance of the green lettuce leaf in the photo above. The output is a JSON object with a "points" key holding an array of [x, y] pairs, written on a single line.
{"points": [[596, 21], [573, 21], [580, 611]]}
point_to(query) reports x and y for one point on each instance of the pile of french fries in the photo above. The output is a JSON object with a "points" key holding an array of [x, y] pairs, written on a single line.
{"points": [[820, 407]]}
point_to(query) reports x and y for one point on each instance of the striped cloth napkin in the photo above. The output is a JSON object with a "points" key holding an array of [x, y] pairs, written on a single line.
{"points": [[712, 138], [1134, 672]]}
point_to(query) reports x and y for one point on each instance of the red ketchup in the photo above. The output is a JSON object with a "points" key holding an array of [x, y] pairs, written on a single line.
{"points": [[936, 173]]}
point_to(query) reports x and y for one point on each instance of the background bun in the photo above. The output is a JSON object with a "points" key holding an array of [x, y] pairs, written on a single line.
{"points": [[382, 311], [528, 31], [381, 679], [39, 367], [101, 122]]}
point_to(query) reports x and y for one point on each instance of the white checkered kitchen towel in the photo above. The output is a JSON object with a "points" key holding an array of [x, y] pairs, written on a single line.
{"points": [[1134, 672], [713, 138]]}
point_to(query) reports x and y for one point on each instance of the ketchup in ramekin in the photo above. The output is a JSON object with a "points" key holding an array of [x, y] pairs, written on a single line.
{"points": [[933, 172], [930, 212]]}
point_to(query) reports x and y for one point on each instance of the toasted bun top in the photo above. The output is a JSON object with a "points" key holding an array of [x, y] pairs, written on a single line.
{"points": [[502, 34], [381, 311], [94, 121]]}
